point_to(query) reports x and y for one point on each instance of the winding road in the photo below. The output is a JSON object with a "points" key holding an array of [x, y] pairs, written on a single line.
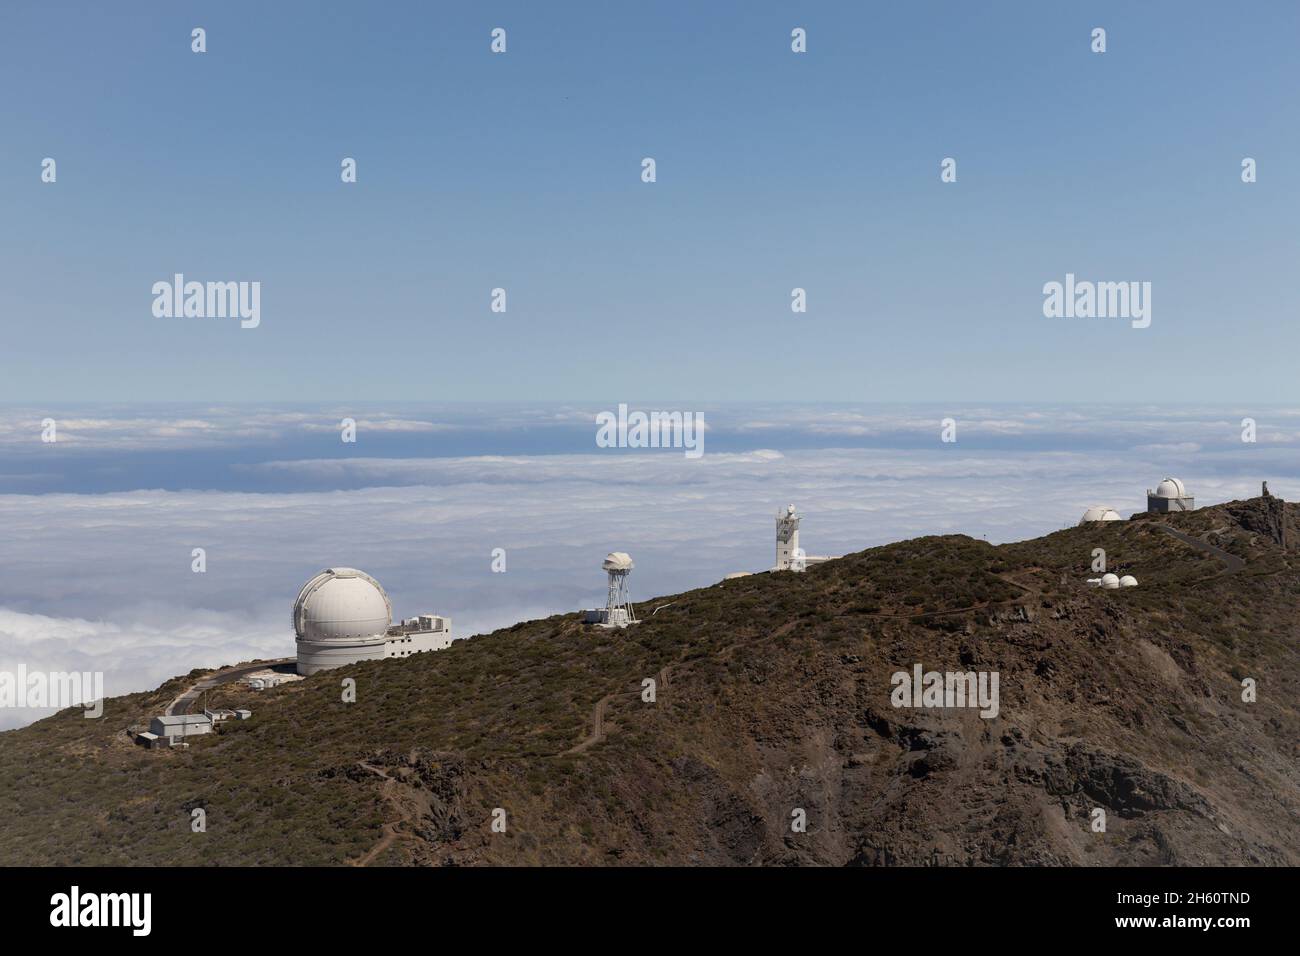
{"points": [[1233, 562], [183, 703]]}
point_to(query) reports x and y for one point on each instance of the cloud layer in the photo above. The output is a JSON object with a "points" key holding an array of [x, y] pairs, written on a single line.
{"points": [[104, 581]]}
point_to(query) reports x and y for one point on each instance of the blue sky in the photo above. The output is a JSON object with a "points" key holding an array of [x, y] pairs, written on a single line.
{"points": [[775, 170]]}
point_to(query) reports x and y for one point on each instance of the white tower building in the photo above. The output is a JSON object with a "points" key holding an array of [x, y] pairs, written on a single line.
{"points": [[618, 610], [618, 606], [789, 556], [343, 615]]}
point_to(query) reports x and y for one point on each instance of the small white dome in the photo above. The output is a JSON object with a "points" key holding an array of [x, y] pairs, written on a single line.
{"points": [[1171, 488], [617, 561], [1128, 581], [1100, 513], [1109, 581], [341, 604]]}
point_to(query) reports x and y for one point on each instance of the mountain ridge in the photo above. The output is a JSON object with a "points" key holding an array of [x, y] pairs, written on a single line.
{"points": [[772, 696]]}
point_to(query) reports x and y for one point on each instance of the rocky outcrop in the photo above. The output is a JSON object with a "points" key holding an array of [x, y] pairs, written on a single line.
{"points": [[1267, 516]]}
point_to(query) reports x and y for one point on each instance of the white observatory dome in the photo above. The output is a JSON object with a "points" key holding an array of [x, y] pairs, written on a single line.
{"points": [[1109, 581], [1128, 581], [617, 561], [1171, 488], [341, 605], [1100, 513]]}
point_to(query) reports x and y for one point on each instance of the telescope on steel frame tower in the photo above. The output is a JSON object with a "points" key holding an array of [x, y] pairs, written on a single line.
{"points": [[618, 607]]}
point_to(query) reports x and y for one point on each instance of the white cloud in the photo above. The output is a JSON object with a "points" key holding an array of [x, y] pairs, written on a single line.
{"points": [[204, 426], [103, 581], [381, 425], [139, 652]]}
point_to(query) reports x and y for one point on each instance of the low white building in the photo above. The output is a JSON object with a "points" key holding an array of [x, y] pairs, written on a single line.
{"points": [[424, 632], [265, 679], [176, 727]]}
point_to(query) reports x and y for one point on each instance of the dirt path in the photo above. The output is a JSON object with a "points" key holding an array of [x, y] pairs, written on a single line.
{"points": [[601, 709], [597, 726], [391, 834], [388, 839], [598, 712], [391, 831], [953, 610], [1010, 578]]}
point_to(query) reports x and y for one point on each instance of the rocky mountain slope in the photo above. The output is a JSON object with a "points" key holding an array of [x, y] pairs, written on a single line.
{"points": [[772, 694]]}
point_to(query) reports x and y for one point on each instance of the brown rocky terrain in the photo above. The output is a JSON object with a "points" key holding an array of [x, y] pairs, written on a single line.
{"points": [[772, 695]]}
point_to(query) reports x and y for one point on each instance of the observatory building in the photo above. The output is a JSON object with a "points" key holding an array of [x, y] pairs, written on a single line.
{"points": [[618, 610], [1112, 582], [1100, 513], [343, 615], [789, 556], [1170, 495]]}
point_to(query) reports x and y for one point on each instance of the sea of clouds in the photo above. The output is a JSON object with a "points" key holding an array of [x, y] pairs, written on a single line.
{"points": [[101, 579]]}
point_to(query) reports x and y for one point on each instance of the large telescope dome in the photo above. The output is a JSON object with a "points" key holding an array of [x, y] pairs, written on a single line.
{"points": [[343, 605]]}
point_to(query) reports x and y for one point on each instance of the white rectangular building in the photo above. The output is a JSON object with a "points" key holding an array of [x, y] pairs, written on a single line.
{"points": [[178, 726]]}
